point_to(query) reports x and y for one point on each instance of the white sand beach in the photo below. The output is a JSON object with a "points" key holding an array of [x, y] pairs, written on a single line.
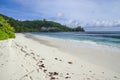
{"points": [[29, 57]]}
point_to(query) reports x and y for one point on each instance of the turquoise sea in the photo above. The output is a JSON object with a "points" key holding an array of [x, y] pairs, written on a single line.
{"points": [[110, 39]]}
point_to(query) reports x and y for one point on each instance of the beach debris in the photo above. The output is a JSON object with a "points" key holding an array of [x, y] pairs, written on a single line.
{"points": [[56, 58], [42, 66], [45, 70], [67, 77], [39, 62], [67, 73], [31, 78], [70, 63], [50, 73], [55, 73], [52, 78], [60, 60]]}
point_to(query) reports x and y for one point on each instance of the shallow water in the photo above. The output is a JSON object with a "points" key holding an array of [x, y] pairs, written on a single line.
{"points": [[93, 38]]}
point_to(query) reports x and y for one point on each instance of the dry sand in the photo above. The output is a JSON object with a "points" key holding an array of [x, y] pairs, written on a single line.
{"points": [[31, 58]]}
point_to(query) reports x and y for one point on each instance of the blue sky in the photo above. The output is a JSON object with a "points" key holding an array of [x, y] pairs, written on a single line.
{"points": [[98, 13]]}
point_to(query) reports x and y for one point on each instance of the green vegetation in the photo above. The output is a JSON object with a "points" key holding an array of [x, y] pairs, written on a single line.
{"points": [[39, 26], [79, 28], [6, 31]]}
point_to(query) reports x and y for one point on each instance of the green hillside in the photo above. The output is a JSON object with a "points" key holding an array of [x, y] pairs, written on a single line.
{"points": [[39, 26], [6, 31]]}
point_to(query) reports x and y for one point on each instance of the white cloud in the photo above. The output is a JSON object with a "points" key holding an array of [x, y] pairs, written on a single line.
{"points": [[59, 15], [75, 11]]}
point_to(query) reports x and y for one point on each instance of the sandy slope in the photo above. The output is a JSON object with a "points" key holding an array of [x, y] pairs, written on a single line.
{"points": [[30, 58], [105, 56]]}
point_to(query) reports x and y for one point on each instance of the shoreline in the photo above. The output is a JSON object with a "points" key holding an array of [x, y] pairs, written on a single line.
{"points": [[44, 58], [97, 54], [106, 43]]}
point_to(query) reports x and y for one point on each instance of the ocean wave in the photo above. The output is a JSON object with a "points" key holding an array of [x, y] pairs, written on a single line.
{"points": [[91, 39]]}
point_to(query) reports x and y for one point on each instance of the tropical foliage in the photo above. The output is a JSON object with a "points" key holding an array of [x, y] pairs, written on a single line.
{"points": [[6, 31], [39, 26]]}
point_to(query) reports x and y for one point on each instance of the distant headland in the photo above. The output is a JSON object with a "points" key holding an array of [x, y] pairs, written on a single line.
{"points": [[39, 26]]}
